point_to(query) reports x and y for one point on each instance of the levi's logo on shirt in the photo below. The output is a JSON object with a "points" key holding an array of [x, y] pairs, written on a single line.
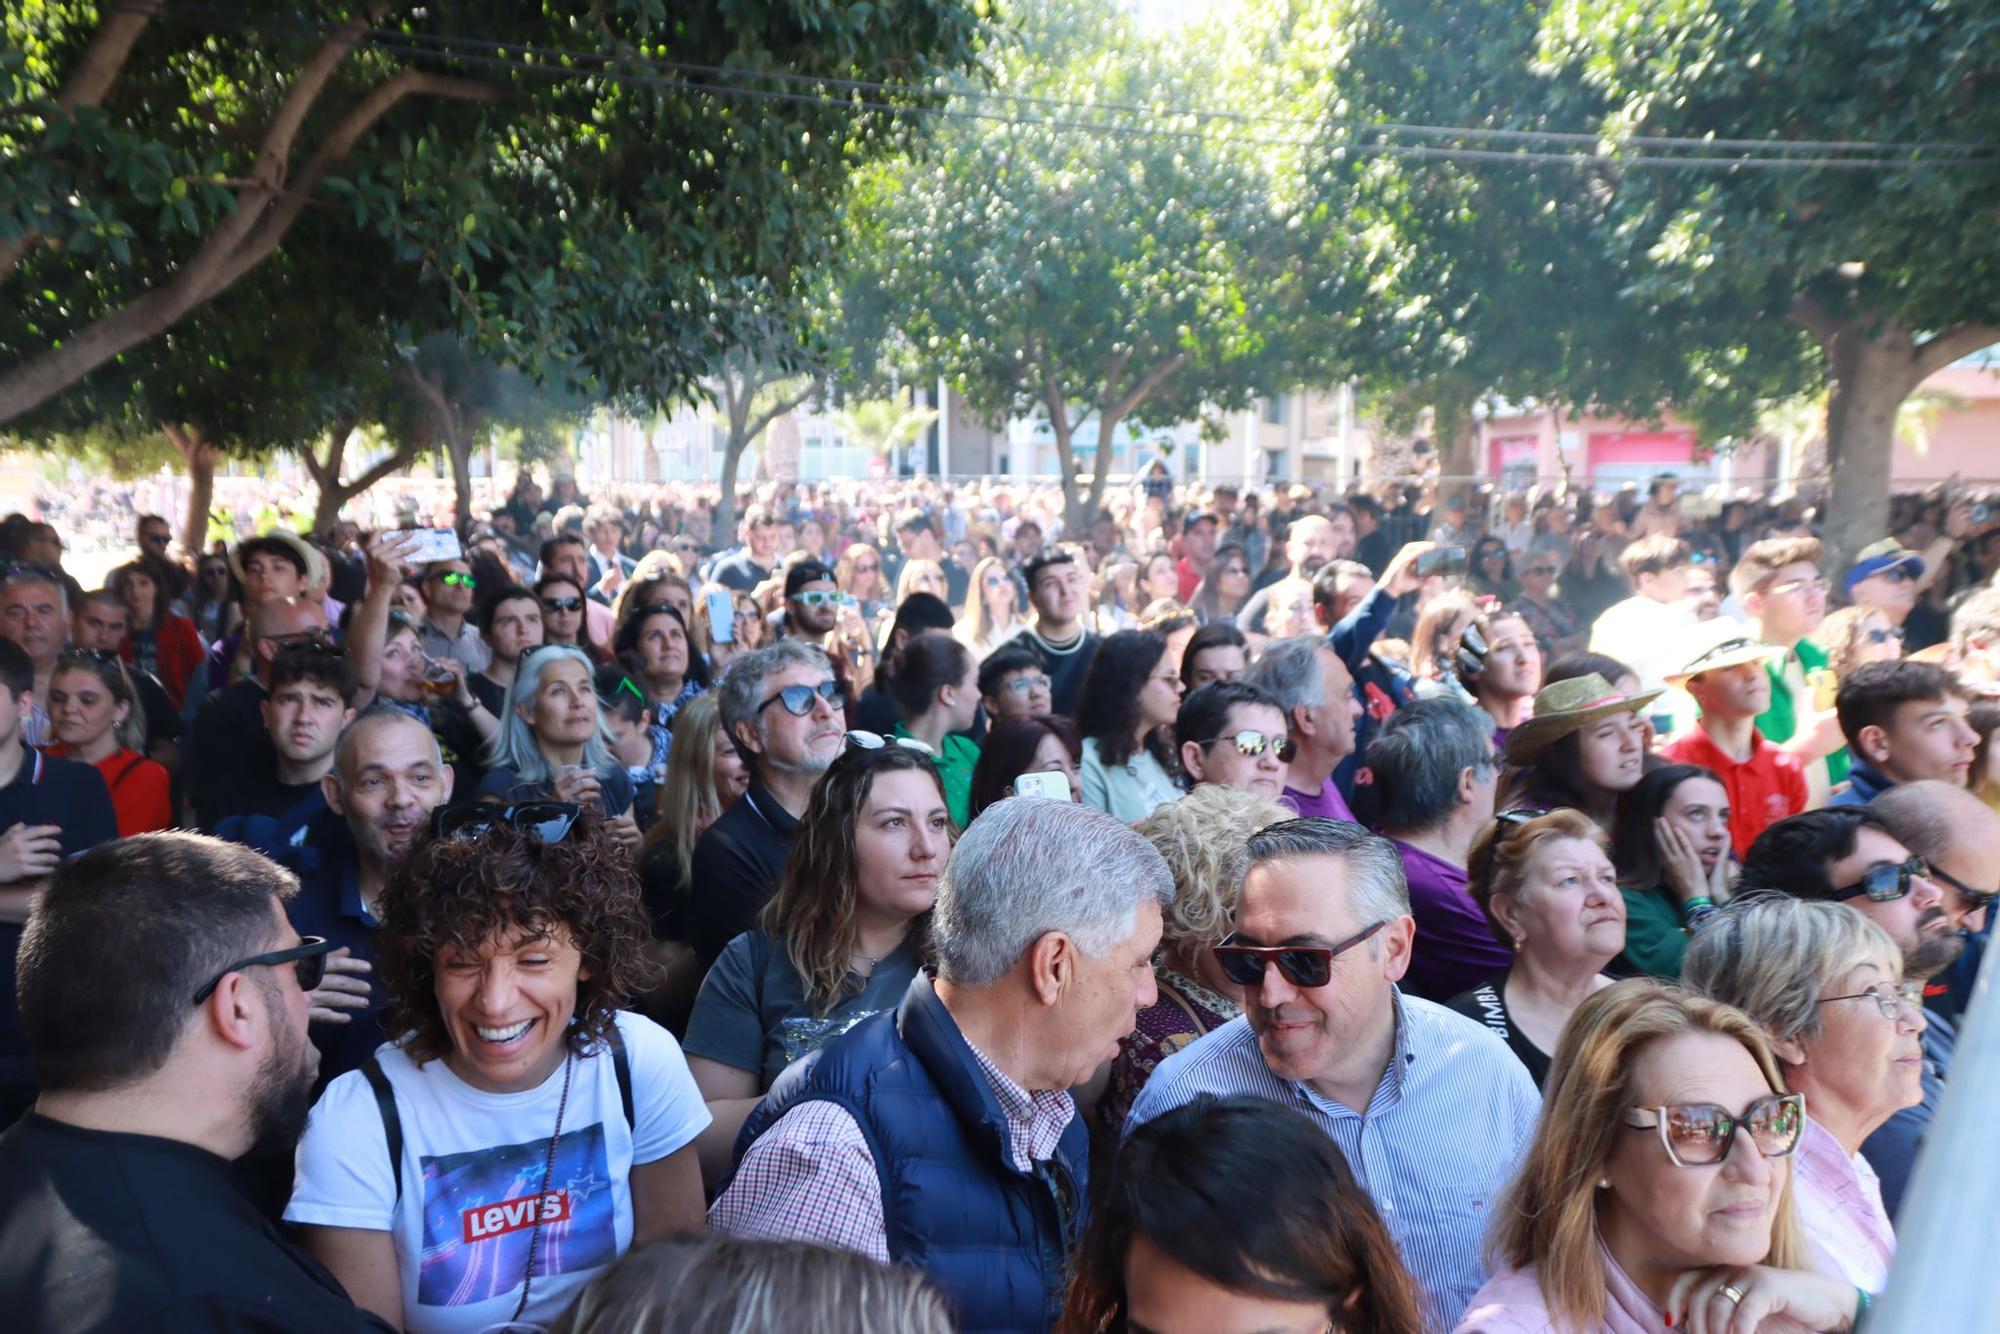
{"points": [[494, 1220]]}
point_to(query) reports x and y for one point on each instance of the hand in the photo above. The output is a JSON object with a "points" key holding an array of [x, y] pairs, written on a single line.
{"points": [[345, 987], [1821, 733], [1680, 862], [389, 553], [1958, 520], [29, 852], [1718, 878], [578, 787], [461, 693], [1773, 1301], [1400, 575], [625, 828]]}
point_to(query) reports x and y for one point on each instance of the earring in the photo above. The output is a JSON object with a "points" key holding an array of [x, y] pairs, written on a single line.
{"points": [[1604, 1183]]}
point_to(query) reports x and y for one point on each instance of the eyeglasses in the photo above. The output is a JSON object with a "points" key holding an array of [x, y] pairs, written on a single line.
{"points": [[1791, 586], [1889, 997], [1901, 574], [319, 634], [549, 821], [562, 604], [1699, 1134], [1878, 635], [862, 740], [870, 568], [1885, 884], [1520, 815], [1252, 742], [1026, 684], [1548, 570], [798, 700], [307, 958], [155, 538], [454, 579], [819, 597], [1305, 966], [1976, 900]]}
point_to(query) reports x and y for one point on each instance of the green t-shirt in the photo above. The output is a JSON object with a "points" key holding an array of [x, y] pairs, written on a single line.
{"points": [[955, 766], [1654, 937], [1780, 722]]}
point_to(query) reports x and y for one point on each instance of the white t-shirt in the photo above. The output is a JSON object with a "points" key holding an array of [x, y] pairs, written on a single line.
{"points": [[472, 1164]]}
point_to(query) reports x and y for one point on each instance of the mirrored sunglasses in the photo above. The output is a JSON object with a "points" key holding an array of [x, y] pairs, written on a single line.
{"points": [[798, 700], [1252, 742], [1885, 884], [1699, 1134]]}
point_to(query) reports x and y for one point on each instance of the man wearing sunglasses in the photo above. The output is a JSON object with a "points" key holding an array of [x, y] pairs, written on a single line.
{"points": [[1432, 1111], [782, 708], [178, 948], [447, 630], [812, 602], [1904, 721]]}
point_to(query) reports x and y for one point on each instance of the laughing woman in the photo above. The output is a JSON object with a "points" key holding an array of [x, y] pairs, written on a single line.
{"points": [[512, 937]]}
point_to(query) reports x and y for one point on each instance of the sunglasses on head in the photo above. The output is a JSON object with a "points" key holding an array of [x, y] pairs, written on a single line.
{"points": [[1520, 815], [864, 740], [549, 821], [798, 700], [563, 604], [1252, 742], [1699, 1134], [1885, 884], [307, 958], [1306, 966], [1878, 635]]}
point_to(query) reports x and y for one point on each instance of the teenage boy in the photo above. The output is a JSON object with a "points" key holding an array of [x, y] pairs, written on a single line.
{"points": [[1727, 675], [1059, 588], [1648, 631], [1904, 721], [1783, 594], [311, 700], [1014, 683], [510, 622]]}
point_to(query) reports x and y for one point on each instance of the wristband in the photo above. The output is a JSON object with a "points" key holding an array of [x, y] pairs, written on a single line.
{"points": [[1862, 1301], [1697, 910]]}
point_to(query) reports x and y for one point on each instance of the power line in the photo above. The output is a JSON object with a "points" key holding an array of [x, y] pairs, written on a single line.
{"points": [[451, 48]]}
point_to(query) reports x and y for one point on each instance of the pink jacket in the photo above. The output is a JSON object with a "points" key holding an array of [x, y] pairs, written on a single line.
{"points": [[1512, 1303]]}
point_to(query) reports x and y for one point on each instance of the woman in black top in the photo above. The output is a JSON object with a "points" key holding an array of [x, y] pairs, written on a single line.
{"points": [[1546, 884]]}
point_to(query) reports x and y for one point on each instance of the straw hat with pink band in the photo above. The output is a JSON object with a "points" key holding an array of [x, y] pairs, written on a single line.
{"points": [[1569, 706]]}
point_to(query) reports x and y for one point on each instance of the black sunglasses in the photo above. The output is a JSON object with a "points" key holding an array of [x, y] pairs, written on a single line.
{"points": [[1520, 815], [549, 821], [1976, 900], [563, 604], [798, 700], [1301, 965], [307, 958], [1885, 884]]}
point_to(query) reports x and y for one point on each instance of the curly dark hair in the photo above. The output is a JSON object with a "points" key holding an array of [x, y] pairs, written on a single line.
{"points": [[459, 893]]}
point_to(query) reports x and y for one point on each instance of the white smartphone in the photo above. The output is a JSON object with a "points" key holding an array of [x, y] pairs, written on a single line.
{"points": [[721, 616], [1048, 786], [434, 544]]}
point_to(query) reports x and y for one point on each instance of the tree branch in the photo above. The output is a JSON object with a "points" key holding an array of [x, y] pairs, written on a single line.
{"points": [[1146, 384], [401, 457], [779, 409], [1809, 314], [1942, 349]]}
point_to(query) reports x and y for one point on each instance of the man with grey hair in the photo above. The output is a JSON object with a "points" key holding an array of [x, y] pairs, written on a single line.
{"points": [[34, 613], [942, 1134], [781, 707], [1435, 774], [1958, 838], [1432, 1111], [1312, 685]]}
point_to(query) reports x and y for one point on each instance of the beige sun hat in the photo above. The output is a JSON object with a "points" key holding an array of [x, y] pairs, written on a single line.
{"points": [[1569, 706], [315, 561], [1721, 643]]}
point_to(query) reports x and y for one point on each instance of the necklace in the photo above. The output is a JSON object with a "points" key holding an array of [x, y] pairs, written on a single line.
{"points": [[548, 1175], [1060, 650]]}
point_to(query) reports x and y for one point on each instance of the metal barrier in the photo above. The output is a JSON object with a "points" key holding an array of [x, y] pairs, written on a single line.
{"points": [[1945, 1276]]}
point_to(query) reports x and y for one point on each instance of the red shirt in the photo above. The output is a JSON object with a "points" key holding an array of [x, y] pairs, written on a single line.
{"points": [[1763, 789], [140, 790], [1190, 578]]}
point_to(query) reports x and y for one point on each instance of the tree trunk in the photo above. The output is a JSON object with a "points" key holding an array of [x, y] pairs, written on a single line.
{"points": [[723, 533], [1867, 382], [200, 457], [458, 448], [1456, 435], [1073, 504], [1107, 427]]}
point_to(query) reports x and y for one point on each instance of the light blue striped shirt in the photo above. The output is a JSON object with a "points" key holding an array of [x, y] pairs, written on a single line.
{"points": [[1444, 1132]]}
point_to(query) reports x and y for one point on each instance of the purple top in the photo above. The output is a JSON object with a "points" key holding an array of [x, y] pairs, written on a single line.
{"points": [[1326, 804], [1455, 950]]}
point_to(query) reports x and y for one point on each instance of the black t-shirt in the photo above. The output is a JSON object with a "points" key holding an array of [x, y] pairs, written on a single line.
{"points": [[1488, 1005], [105, 1232], [231, 765], [1067, 668], [738, 862], [740, 572], [488, 692], [163, 720]]}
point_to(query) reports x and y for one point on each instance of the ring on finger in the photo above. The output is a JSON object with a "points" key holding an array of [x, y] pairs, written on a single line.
{"points": [[1734, 1294]]}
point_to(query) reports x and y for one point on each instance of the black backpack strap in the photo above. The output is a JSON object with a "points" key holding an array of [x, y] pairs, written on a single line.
{"points": [[621, 1064], [392, 1121]]}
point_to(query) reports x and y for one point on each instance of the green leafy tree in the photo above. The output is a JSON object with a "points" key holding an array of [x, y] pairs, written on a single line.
{"points": [[578, 184]]}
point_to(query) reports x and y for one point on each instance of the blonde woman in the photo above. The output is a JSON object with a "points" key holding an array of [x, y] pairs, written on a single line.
{"points": [[859, 573], [921, 576], [992, 610], [1659, 1183]]}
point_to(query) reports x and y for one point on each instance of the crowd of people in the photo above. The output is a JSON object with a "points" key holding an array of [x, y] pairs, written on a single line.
{"points": [[1264, 909]]}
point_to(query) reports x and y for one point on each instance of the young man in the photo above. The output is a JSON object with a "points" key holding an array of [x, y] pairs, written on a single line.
{"points": [[311, 699], [1903, 721], [1311, 684], [447, 630], [604, 526], [1014, 683], [1727, 674], [1784, 598], [1648, 631], [510, 623], [812, 602], [50, 809], [231, 764], [1059, 588], [1198, 539], [918, 538], [1234, 735]]}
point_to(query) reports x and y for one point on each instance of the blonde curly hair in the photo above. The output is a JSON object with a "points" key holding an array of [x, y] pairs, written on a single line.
{"points": [[1200, 835]]}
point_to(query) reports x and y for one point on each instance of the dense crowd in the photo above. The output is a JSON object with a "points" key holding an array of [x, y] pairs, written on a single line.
{"points": [[1265, 909]]}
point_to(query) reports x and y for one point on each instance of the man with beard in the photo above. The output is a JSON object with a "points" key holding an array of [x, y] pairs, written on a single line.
{"points": [[387, 777], [197, 991], [781, 706], [1958, 837], [1849, 854]]}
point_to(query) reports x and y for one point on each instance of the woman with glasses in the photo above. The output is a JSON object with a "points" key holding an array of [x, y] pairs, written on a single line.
{"points": [[1826, 984], [1037, 744], [212, 604], [159, 640], [1672, 856], [1232, 734], [1126, 714], [1224, 586], [1555, 624], [840, 941], [992, 610], [935, 688], [1199, 836], [519, 1132], [552, 743], [96, 718], [1548, 891], [563, 617], [1237, 1214], [1857, 635], [1491, 569], [859, 573], [1657, 1193]]}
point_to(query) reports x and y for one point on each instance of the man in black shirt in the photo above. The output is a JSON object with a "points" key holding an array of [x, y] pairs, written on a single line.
{"points": [[231, 764], [781, 706], [919, 539], [310, 701], [510, 621], [1060, 589], [116, 1206], [750, 565]]}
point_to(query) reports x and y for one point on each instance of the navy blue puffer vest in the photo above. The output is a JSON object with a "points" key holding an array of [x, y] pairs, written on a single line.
{"points": [[996, 1241]]}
